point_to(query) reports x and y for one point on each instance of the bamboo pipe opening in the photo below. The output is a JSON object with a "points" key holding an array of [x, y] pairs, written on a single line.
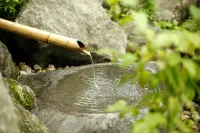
{"points": [[83, 47]]}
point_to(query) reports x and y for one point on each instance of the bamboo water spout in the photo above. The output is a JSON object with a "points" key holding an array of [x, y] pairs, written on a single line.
{"points": [[44, 36]]}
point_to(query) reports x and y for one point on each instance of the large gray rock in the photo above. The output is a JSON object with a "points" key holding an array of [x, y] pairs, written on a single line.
{"points": [[135, 37], [7, 66], [8, 117], [13, 117], [29, 123], [69, 102], [21, 94], [85, 20], [173, 9], [167, 10], [59, 122]]}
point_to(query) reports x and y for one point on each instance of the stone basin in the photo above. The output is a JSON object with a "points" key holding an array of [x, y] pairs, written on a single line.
{"points": [[69, 102]]}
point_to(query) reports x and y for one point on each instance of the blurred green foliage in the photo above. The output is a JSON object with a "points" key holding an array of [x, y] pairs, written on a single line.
{"points": [[166, 25], [120, 10], [149, 7], [10, 8], [191, 25], [176, 52]]}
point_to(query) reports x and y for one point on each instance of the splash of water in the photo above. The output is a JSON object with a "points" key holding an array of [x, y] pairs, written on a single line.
{"points": [[94, 72]]}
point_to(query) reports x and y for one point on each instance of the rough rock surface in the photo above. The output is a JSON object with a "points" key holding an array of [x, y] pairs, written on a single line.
{"points": [[13, 117], [134, 36], [69, 101], [7, 66], [169, 10], [21, 93], [59, 122], [173, 9], [85, 20], [8, 117], [29, 123]]}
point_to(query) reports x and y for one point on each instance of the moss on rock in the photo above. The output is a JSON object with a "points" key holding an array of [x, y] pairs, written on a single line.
{"points": [[29, 123], [21, 94]]}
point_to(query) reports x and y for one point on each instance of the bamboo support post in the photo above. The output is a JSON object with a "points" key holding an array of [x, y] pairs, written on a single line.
{"points": [[43, 36]]}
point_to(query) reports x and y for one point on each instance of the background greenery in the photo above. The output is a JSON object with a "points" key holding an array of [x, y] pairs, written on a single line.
{"points": [[176, 51], [10, 8], [120, 10]]}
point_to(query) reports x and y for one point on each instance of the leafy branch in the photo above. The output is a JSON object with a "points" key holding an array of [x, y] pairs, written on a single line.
{"points": [[176, 54]]}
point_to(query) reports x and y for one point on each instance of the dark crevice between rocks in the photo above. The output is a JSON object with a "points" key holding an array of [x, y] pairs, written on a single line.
{"points": [[18, 54]]}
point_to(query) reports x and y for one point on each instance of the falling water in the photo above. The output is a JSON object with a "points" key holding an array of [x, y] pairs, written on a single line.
{"points": [[94, 73]]}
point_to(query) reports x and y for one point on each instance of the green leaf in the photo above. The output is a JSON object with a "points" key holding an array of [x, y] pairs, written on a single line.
{"points": [[120, 106], [162, 65], [166, 39], [158, 119], [195, 12], [112, 2], [140, 127], [129, 3], [146, 54], [171, 81], [117, 106], [166, 25], [182, 126], [114, 54], [135, 112], [190, 93], [127, 77], [153, 82], [124, 20], [174, 106], [125, 111], [148, 98], [142, 75], [190, 66], [115, 10], [149, 123], [128, 59], [193, 39], [173, 59], [141, 21]]}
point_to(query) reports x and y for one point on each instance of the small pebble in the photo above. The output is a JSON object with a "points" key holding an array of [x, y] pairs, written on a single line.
{"points": [[50, 67], [194, 127], [196, 117], [184, 117], [66, 67], [197, 107], [59, 68], [37, 67], [25, 68], [39, 71], [22, 73], [43, 70], [186, 113]]}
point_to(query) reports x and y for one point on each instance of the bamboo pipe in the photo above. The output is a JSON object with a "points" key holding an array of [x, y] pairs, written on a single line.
{"points": [[44, 36]]}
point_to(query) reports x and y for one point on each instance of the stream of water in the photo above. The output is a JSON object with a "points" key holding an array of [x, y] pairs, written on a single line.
{"points": [[94, 73]]}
